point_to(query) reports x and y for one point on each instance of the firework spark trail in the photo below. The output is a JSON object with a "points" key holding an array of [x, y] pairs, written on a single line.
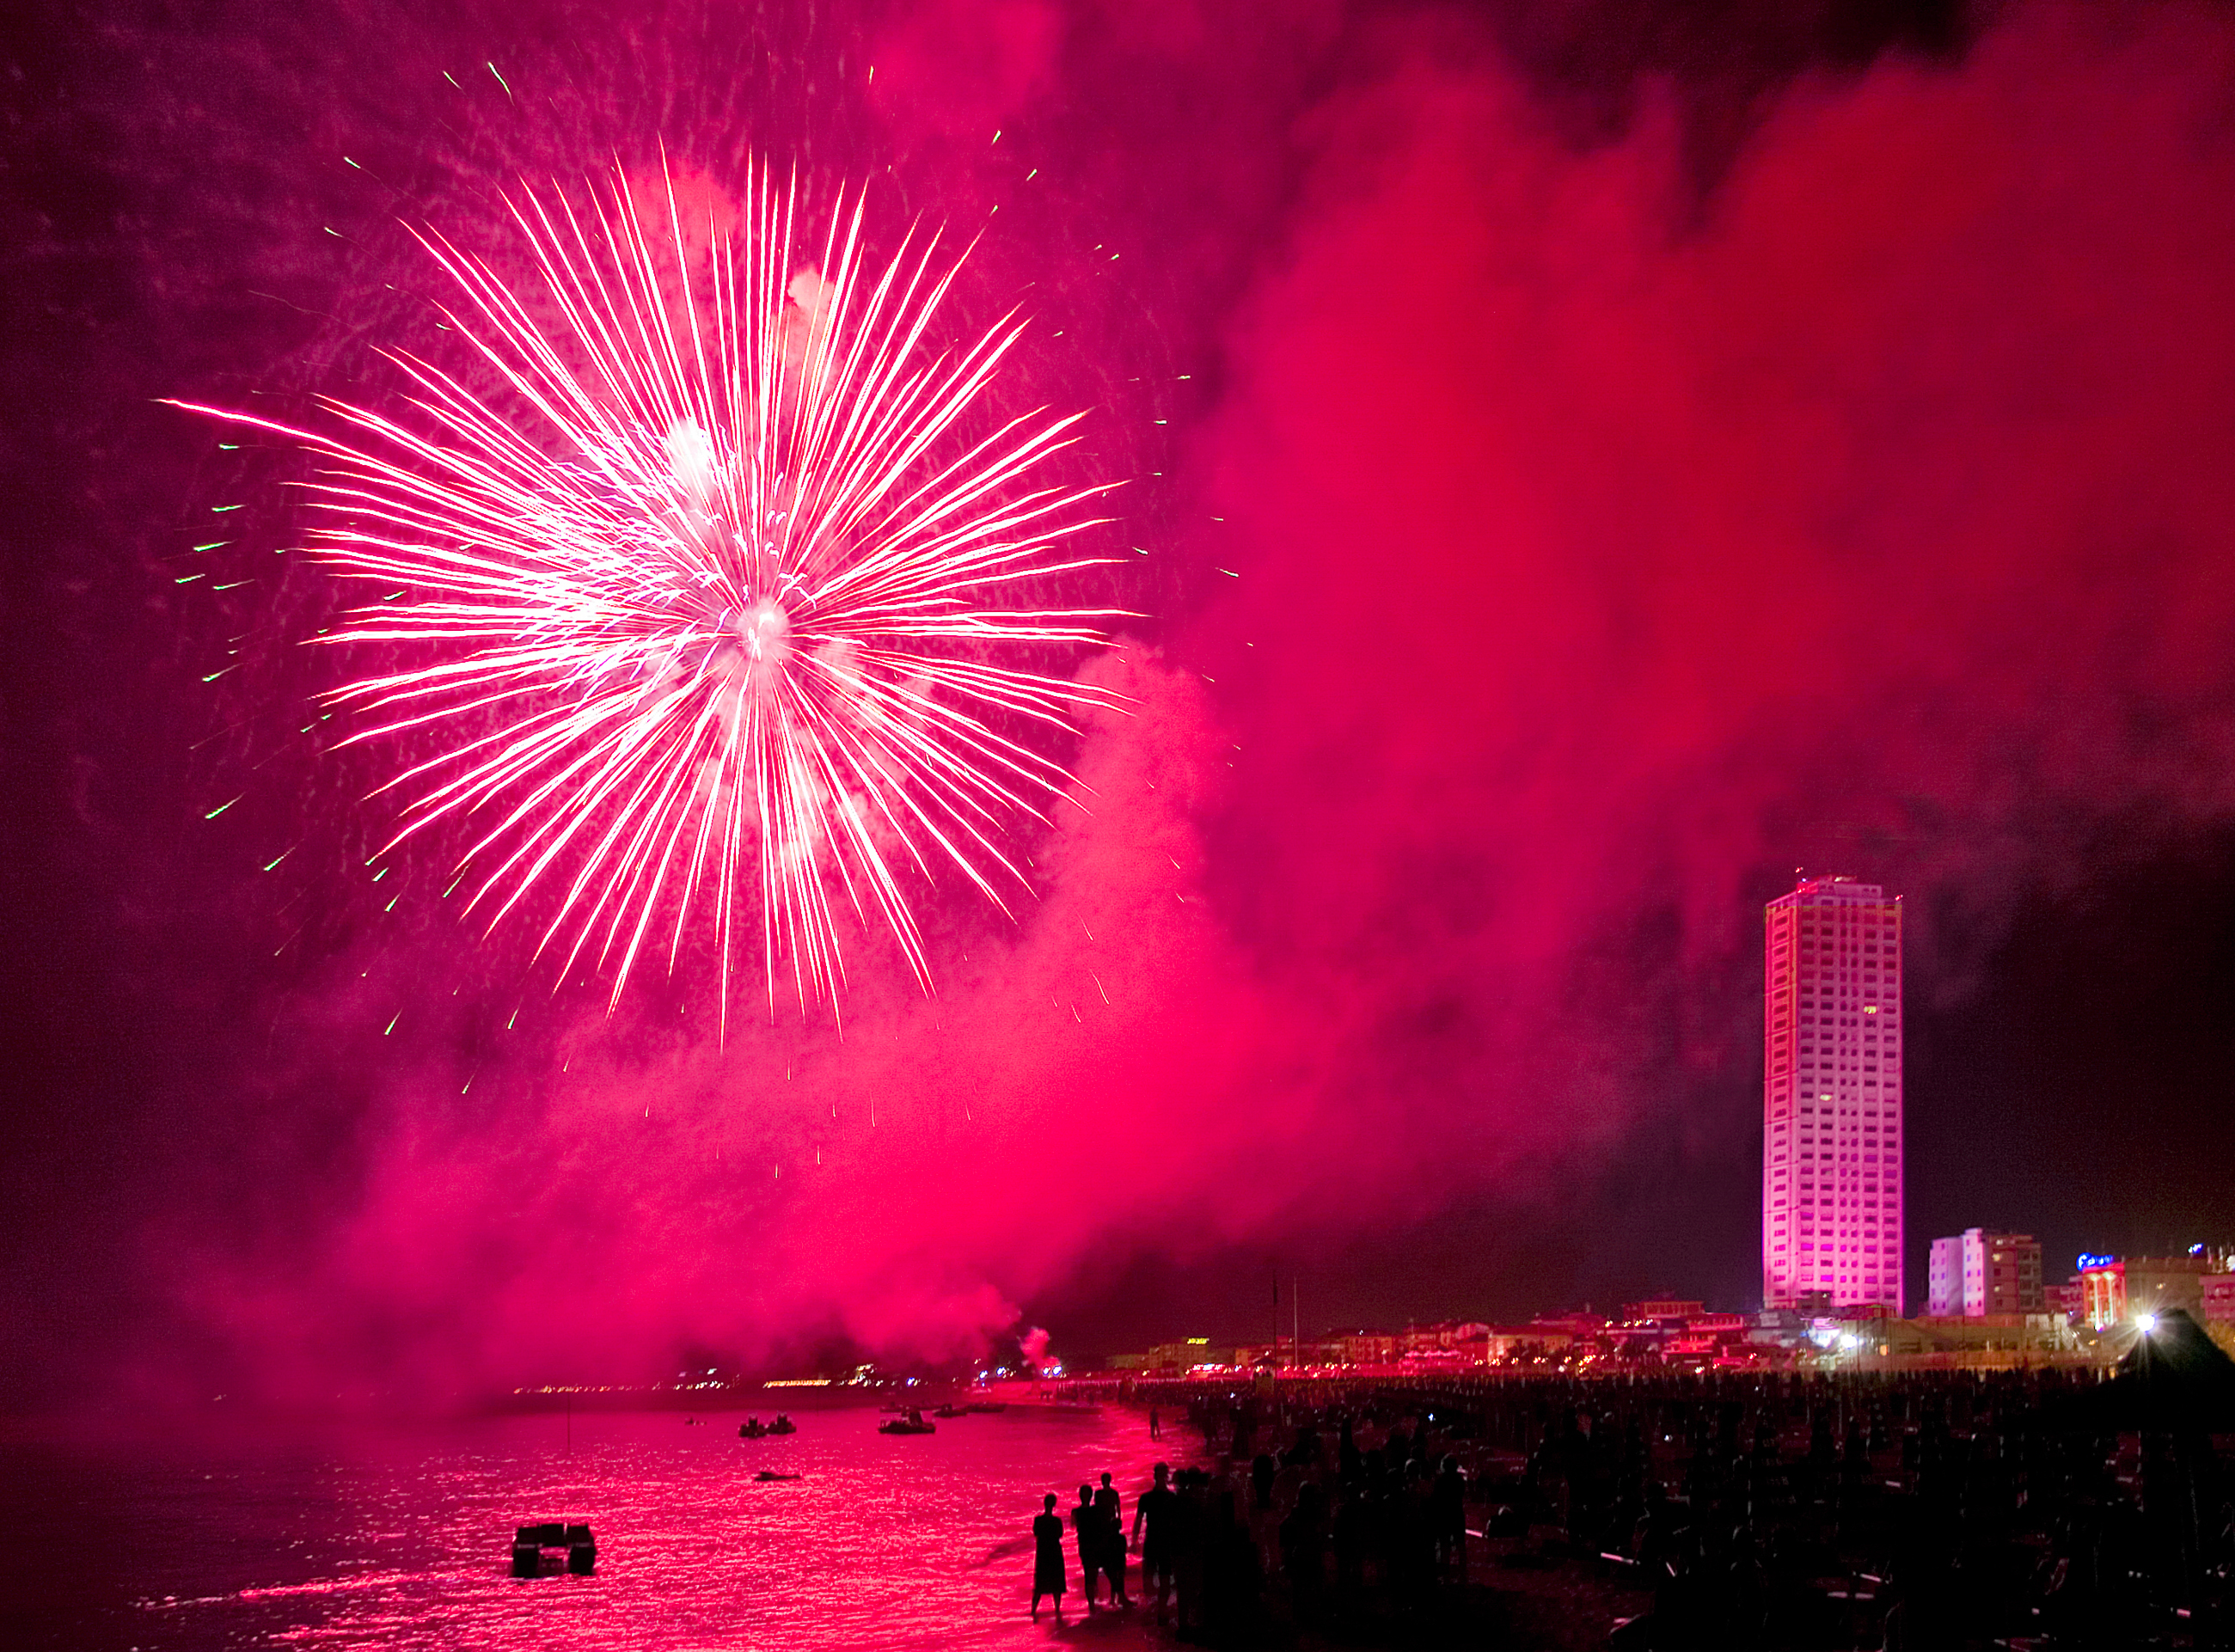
{"points": [[705, 621]]}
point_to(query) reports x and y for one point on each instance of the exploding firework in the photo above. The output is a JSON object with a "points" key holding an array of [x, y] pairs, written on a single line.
{"points": [[702, 604]]}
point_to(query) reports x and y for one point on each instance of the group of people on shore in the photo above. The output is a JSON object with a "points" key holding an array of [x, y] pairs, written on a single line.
{"points": [[1334, 1527], [1924, 1509], [1098, 1529]]}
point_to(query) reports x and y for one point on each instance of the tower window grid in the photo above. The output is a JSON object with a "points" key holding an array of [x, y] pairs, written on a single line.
{"points": [[1831, 1159]]}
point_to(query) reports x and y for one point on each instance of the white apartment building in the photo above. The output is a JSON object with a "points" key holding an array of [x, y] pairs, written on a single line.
{"points": [[1977, 1271], [1832, 1098]]}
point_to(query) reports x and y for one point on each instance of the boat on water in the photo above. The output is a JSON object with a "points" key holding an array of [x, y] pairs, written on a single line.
{"points": [[529, 1542], [767, 1474], [783, 1425], [909, 1422], [752, 1428], [946, 1413]]}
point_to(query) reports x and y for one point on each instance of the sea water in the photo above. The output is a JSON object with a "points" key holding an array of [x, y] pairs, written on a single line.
{"points": [[395, 1536]]}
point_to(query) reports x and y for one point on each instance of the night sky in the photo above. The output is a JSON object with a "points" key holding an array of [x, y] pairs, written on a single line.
{"points": [[1581, 463]]}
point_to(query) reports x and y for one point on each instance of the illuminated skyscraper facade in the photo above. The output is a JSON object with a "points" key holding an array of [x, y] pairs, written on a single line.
{"points": [[1832, 1100]]}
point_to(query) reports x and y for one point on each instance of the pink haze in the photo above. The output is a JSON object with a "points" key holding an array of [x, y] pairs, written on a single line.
{"points": [[1597, 552]]}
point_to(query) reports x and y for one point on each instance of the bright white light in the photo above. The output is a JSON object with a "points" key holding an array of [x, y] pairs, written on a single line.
{"points": [[706, 611], [2145, 1323]]}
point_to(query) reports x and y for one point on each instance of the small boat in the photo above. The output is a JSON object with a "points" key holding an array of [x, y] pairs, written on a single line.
{"points": [[751, 1428], [910, 1422], [528, 1543], [783, 1425], [767, 1474], [946, 1413]]}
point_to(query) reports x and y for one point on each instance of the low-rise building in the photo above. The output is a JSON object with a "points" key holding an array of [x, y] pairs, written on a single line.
{"points": [[2102, 1282], [1528, 1342], [1961, 1339], [1446, 1335], [1579, 1323], [1171, 1358], [2065, 1300], [1663, 1307], [1980, 1272], [2114, 1289], [1721, 1325], [2220, 1299], [2158, 1284], [1363, 1346]]}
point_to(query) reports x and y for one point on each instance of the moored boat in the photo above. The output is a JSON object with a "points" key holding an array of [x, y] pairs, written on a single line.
{"points": [[528, 1543]]}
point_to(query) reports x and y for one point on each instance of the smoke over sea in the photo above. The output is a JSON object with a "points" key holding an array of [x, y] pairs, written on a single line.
{"points": [[1567, 485]]}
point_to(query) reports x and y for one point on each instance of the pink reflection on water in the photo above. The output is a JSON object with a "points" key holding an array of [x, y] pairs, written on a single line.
{"points": [[402, 1538]]}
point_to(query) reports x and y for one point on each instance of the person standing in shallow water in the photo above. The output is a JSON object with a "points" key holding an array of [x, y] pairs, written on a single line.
{"points": [[1154, 1507], [1086, 1526], [1108, 1506], [1047, 1557]]}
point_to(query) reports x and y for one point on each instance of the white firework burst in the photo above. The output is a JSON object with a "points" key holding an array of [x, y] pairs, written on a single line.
{"points": [[704, 607]]}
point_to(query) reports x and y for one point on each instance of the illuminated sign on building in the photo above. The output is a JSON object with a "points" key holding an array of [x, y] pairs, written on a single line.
{"points": [[2102, 1291]]}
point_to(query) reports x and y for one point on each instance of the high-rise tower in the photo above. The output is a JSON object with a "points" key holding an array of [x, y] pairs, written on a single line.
{"points": [[1832, 1098]]}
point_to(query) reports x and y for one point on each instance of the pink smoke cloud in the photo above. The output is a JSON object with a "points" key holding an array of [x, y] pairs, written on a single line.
{"points": [[1577, 542], [960, 70], [1598, 552]]}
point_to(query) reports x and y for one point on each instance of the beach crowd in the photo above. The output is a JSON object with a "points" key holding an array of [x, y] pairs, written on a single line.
{"points": [[1931, 1510], [1328, 1524]]}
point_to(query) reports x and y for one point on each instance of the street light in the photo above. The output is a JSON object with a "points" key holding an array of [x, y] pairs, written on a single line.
{"points": [[2145, 1323]]}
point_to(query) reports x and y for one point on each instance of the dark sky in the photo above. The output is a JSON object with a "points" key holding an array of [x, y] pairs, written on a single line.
{"points": [[1587, 459]]}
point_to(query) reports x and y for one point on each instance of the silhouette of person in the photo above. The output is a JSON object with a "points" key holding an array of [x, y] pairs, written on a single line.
{"points": [[1449, 1502], [1047, 1557], [1086, 1527], [1303, 1547], [1190, 1523], [1232, 1576], [1154, 1510], [1155, 1431], [1109, 1512]]}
